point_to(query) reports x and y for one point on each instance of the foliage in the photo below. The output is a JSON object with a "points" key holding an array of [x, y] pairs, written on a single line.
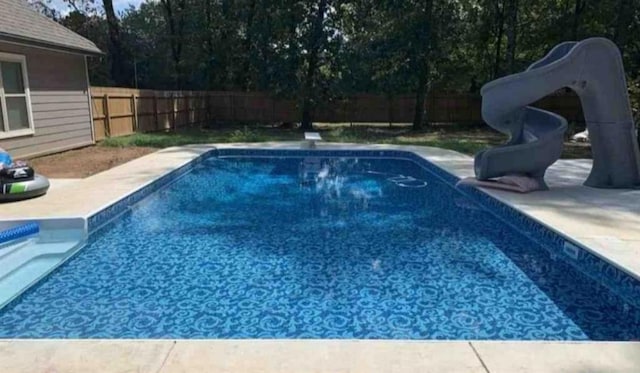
{"points": [[245, 134], [464, 139], [360, 46], [203, 136]]}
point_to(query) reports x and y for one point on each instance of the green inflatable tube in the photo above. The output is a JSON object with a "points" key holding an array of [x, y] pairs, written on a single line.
{"points": [[20, 190]]}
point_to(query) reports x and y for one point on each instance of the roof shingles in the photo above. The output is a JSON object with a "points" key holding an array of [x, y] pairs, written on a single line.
{"points": [[20, 23]]}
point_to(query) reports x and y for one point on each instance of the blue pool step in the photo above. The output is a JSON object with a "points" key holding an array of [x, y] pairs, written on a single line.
{"points": [[20, 231], [28, 253]]}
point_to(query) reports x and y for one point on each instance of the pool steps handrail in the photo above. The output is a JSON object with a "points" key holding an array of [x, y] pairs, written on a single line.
{"points": [[17, 232]]}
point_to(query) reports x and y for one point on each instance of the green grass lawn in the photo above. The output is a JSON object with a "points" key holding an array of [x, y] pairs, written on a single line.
{"points": [[464, 139]]}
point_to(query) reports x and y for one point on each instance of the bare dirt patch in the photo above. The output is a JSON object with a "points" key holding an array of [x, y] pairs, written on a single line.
{"points": [[85, 162]]}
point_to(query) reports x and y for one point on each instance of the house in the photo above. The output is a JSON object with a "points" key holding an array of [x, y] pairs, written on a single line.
{"points": [[44, 85]]}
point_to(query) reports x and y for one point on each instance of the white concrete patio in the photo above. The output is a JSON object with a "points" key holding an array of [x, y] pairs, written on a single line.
{"points": [[301, 356], [606, 221]]}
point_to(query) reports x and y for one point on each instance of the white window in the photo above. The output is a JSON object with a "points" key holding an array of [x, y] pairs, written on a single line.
{"points": [[15, 103]]}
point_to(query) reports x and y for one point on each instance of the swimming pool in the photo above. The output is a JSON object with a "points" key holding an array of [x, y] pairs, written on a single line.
{"points": [[323, 245]]}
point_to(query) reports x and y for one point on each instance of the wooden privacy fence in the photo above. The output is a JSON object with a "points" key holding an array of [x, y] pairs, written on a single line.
{"points": [[122, 111]]}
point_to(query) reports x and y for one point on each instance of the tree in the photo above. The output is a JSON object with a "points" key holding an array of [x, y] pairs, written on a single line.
{"points": [[423, 47], [119, 69], [318, 51], [143, 34], [625, 10], [578, 8], [313, 46], [45, 8], [174, 11], [248, 44], [512, 34], [499, 22]]}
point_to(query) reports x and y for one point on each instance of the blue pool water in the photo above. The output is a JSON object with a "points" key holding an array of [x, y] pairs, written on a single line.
{"points": [[316, 248]]}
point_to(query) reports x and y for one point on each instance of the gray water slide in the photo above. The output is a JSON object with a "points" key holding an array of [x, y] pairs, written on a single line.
{"points": [[593, 69]]}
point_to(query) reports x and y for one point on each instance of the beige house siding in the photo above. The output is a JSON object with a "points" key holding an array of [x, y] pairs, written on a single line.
{"points": [[59, 102]]}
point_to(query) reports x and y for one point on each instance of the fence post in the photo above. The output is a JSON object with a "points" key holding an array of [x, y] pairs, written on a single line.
{"points": [[107, 117], [134, 106], [212, 111], [173, 111], [204, 111], [353, 109], [186, 103], [155, 109], [233, 107], [390, 110], [194, 109], [432, 108], [207, 108], [273, 109]]}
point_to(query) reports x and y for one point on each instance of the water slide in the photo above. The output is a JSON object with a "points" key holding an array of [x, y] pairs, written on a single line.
{"points": [[593, 69]]}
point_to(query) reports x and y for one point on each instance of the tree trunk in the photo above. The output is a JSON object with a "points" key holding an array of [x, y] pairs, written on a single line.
{"points": [[500, 32], [174, 13], [423, 56], [264, 38], [512, 35], [118, 68], [420, 116], [226, 52], [314, 46], [577, 12], [624, 13], [209, 45], [248, 46]]}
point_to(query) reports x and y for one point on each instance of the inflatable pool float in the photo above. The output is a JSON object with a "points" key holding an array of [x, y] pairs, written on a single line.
{"points": [[18, 181], [19, 190]]}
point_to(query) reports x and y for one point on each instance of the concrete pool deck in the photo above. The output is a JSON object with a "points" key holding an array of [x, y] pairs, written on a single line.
{"points": [[605, 221], [301, 356]]}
